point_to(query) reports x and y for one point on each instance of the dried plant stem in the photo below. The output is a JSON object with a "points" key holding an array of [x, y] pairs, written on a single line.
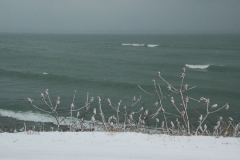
{"points": [[163, 113], [25, 127], [155, 87], [101, 114], [65, 117], [41, 109], [145, 91], [73, 105], [117, 113], [115, 109], [190, 88], [219, 109], [193, 98], [176, 108], [168, 83], [201, 122], [47, 104], [207, 115], [50, 101], [160, 102], [181, 84], [185, 115]]}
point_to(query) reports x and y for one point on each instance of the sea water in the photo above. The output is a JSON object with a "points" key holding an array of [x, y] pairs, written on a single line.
{"points": [[112, 66]]}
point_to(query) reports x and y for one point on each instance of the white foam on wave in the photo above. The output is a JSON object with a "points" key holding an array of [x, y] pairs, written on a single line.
{"points": [[28, 116], [45, 73], [35, 117], [135, 45], [152, 45], [197, 66]]}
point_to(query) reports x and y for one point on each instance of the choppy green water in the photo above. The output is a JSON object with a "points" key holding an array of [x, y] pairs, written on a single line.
{"points": [[111, 66]]}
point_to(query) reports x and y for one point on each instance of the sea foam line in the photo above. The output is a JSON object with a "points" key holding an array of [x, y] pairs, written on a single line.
{"points": [[197, 66]]}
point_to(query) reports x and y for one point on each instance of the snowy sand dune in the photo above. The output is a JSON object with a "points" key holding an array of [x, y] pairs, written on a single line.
{"points": [[109, 146]]}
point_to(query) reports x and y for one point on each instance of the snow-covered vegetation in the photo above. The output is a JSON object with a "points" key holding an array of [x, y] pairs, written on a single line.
{"points": [[127, 120]]}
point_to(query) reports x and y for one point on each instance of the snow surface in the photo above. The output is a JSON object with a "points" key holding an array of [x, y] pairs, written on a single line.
{"points": [[115, 146]]}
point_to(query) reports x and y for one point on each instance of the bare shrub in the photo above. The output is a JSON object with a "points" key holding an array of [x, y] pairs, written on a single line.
{"points": [[180, 125]]}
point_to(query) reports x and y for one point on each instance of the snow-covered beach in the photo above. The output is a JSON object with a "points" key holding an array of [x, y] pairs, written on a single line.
{"points": [[109, 146]]}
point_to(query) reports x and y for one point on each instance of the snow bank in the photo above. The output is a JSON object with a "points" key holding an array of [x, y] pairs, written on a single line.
{"points": [[109, 146]]}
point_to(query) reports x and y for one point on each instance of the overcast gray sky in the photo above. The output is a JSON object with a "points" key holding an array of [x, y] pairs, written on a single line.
{"points": [[122, 16]]}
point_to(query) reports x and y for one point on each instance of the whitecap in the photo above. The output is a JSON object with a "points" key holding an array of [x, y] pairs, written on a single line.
{"points": [[27, 116], [152, 45], [135, 45], [34, 117], [197, 66], [45, 73], [124, 44], [138, 45]]}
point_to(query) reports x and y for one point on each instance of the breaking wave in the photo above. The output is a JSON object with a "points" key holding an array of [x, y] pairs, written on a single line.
{"points": [[152, 45], [139, 45], [34, 117], [135, 45], [28, 116], [197, 66]]}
